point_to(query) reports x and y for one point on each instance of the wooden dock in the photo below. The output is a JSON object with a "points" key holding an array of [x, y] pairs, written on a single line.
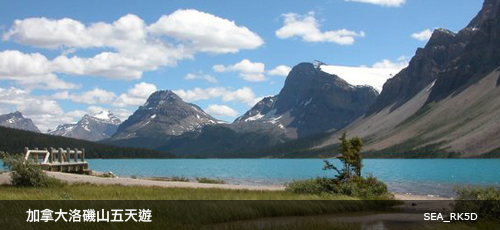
{"points": [[58, 160]]}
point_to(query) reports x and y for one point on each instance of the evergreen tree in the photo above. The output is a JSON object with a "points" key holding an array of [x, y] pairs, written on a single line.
{"points": [[350, 156]]}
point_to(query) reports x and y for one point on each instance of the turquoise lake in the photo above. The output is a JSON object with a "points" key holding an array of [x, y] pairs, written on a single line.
{"points": [[417, 176]]}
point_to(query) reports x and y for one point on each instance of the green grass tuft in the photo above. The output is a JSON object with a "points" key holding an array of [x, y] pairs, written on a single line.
{"points": [[206, 180]]}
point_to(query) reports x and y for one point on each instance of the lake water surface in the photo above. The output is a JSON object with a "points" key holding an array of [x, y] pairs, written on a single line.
{"points": [[417, 176]]}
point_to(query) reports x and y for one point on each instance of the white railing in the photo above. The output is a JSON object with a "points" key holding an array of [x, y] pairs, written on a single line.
{"points": [[55, 156]]}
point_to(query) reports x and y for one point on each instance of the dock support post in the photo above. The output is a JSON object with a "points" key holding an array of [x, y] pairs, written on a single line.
{"points": [[76, 155], [51, 152], [68, 158], [68, 155], [60, 155]]}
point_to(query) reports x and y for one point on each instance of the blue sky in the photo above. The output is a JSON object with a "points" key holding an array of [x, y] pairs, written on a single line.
{"points": [[62, 59]]}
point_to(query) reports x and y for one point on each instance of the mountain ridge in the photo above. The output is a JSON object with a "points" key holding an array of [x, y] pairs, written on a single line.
{"points": [[312, 102], [444, 101], [92, 128], [163, 115], [16, 120], [325, 102]]}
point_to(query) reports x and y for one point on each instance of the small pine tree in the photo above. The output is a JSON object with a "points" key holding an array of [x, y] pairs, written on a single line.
{"points": [[350, 156], [356, 146]]}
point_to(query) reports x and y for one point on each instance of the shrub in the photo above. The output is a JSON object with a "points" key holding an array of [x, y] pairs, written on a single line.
{"points": [[312, 186], [348, 180], [179, 178], [175, 178], [369, 187], [484, 201], [26, 174], [206, 180]]}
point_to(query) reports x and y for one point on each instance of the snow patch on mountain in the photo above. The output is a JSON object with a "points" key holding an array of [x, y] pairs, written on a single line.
{"points": [[255, 117]]}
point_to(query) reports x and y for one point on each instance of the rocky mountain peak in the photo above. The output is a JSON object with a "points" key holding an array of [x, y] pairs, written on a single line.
{"points": [[297, 85], [16, 120], [163, 114], [489, 10], [472, 45], [91, 127], [440, 37], [162, 97], [311, 102], [17, 114], [304, 70], [479, 56], [262, 107]]}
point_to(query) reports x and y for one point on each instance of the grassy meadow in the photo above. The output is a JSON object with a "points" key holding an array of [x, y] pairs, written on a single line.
{"points": [[190, 208], [201, 208], [117, 192]]}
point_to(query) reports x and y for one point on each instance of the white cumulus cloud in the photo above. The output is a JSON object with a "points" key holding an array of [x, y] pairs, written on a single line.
{"points": [[423, 35], [245, 66], [307, 28], [45, 112], [200, 76], [253, 77], [388, 3], [31, 71], [249, 71], [135, 96], [243, 95], [95, 96], [206, 32], [221, 111], [132, 47], [51, 34], [281, 70], [401, 63]]}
